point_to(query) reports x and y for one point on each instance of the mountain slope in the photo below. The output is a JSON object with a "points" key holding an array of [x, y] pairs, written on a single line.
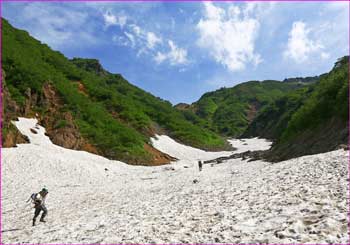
{"points": [[85, 107], [273, 119], [307, 121], [229, 111]]}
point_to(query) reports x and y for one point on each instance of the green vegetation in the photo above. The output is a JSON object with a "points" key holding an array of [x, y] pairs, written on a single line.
{"points": [[118, 118], [228, 111], [309, 120], [273, 119], [115, 116], [330, 100]]}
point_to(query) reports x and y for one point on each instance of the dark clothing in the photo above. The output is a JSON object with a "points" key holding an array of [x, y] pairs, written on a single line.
{"points": [[200, 165], [38, 209], [39, 205]]}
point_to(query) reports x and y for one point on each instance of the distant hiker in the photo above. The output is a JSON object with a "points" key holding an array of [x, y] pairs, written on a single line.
{"points": [[200, 165], [38, 200]]}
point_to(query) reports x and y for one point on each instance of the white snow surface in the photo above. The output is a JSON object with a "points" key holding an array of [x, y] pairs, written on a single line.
{"points": [[183, 152], [303, 200]]}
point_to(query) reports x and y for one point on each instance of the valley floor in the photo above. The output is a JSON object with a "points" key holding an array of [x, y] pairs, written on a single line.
{"points": [[95, 200]]}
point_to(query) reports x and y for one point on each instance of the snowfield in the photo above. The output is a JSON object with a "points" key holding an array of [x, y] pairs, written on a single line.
{"points": [[94, 200]]}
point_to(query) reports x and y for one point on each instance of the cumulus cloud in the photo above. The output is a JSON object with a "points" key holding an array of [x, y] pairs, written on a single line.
{"points": [[152, 40], [229, 36], [300, 46], [175, 56], [111, 19]]}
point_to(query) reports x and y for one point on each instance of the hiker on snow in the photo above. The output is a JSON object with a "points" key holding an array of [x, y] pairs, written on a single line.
{"points": [[39, 204], [200, 164]]}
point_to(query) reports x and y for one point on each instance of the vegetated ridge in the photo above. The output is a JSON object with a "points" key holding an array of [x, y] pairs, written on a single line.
{"points": [[84, 107], [229, 111], [309, 120]]}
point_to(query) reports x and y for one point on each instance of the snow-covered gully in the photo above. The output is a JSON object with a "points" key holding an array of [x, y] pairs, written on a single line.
{"points": [[94, 200]]}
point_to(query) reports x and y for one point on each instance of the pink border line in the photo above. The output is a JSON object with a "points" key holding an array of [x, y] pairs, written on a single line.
{"points": [[1, 105], [56, 1], [348, 197], [1, 99]]}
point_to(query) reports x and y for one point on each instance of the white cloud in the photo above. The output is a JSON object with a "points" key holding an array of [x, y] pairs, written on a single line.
{"points": [[149, 43], [160, 57], [120, 40], [136, 29], [111, 19], [152, 40], [58, 26], [175, 56], [300, 46], [229, 36], [131, 38]]}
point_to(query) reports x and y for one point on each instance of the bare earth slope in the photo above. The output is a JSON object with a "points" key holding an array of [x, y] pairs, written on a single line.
{"points": [[95, 200]]}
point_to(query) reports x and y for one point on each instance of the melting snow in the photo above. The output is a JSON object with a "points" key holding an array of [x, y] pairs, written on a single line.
{"points": [[94, 200]]}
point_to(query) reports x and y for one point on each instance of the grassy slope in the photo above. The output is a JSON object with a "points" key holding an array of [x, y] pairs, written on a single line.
{"points": [[310, 120], [227, 110], [115, 116], [273, 119], [329, 100]]}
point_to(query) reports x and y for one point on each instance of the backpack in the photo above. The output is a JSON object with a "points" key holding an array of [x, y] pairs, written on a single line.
{"points": [[35, 200]]}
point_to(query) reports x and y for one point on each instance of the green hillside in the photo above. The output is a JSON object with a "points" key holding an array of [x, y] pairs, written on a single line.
{"points": [[309, 120], [329, 100], [273, 119], [229, 111], [113, 116]]}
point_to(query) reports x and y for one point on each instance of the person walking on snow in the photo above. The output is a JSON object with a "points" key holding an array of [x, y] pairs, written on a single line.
{"points": [[39, 205], [200, 164]]}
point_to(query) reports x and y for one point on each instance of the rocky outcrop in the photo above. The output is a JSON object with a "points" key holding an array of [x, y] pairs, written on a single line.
{"points": [[91, 65], [253, 110], [59, 124], [158, 157], [10, 111], [183, 106]]}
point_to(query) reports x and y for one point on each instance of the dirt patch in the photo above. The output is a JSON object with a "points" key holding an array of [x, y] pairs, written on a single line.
{"points": [[10, 111], [252, 111], [158, 157], [81, 88]]}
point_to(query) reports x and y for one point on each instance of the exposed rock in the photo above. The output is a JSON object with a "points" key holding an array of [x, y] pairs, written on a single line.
{"points": [[92, 65], [158, 157], [182, 106], [10, 111], [33, 131]]}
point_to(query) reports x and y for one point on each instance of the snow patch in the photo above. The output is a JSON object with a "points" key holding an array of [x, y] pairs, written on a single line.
{"points": [[302, 200]]}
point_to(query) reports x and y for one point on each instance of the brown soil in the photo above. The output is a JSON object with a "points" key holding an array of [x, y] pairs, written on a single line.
{"points": [[10, 111], [81, 88], [59, 124], [252, 111], [158, 157]]}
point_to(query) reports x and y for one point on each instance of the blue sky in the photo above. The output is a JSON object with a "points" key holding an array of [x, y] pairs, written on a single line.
{"points": [[180, 50]]}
